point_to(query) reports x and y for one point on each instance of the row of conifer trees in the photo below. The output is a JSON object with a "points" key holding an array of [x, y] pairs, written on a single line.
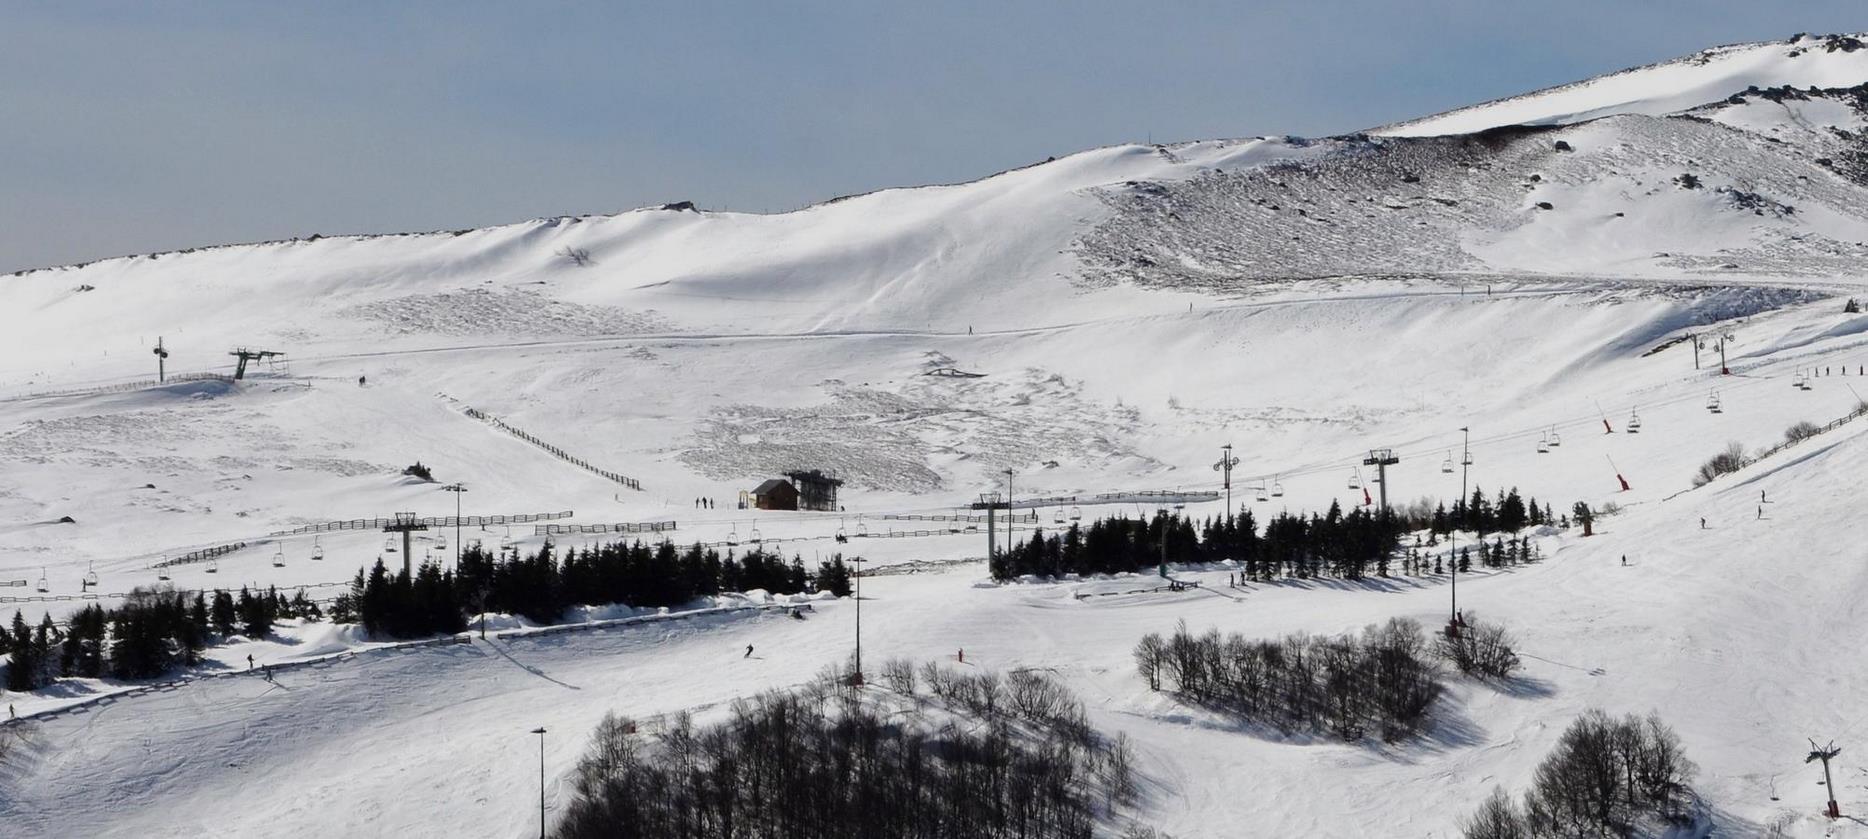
{"points": [[151, 632]]}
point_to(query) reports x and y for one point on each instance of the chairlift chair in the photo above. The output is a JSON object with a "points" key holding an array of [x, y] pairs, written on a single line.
{"points": [[1076, 514], [1634, 421], [441, 542], [1355, 478], [162, 577], [756, 538], [43, 585], [1543, 444], [278, 557], [1059, 518], [841, 536], [1465, 457], [1446, 466], [389, 545], [862, 528], [214, 566], [317, 550], [1555, 438], [90, 576], [732, 537], [1263, 494], [1277, 488], [1712, 403]]}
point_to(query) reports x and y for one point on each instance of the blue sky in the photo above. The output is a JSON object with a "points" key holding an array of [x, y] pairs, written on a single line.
{"points": [[132, 127]]}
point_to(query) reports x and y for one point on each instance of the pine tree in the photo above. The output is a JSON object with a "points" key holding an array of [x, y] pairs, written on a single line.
{"points": [[22, 672], [223, 613]]}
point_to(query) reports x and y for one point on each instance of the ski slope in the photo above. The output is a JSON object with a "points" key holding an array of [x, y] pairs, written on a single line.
{"points": [[1128, 310]]}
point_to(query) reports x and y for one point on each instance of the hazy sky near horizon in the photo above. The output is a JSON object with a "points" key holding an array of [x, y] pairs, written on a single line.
{"points": [[134, 127]]}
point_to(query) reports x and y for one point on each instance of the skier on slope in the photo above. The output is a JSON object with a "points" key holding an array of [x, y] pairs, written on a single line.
{"points": [[748, 651]]}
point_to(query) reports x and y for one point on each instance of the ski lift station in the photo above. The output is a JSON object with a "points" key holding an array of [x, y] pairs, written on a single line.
{"points": [[798, 490]]}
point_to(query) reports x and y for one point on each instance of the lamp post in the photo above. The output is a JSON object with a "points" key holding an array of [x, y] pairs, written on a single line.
{"points": [[1008, 511], [1465, 463], [457, 488], [540, 731]]}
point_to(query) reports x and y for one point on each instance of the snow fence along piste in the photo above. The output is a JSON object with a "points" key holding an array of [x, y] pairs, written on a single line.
{"points": [[321, 662], [84, 705], [555, 451]]}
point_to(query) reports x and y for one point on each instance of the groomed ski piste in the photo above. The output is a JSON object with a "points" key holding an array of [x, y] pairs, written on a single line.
{"points": [[700, 353]]}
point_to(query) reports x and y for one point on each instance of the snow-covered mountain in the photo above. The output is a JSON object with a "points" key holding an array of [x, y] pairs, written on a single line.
{"points": [[1537, 267]]}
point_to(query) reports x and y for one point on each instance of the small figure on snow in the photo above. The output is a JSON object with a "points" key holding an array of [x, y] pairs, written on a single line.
{"points": [[1702, 522], [748, 651], [1760, 511], [362, 380], [1624, 560], [961, 656], [249, 662], [9, 712]]}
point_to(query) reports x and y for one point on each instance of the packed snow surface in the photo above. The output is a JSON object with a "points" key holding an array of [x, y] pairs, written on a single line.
{"points": [[1099, 323]]}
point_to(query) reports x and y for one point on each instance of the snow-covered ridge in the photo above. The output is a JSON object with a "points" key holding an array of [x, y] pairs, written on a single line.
{"points": [[1667, 87]]}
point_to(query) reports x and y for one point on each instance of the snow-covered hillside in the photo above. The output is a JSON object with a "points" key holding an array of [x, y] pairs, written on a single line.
{"points": [[1541, 269]]}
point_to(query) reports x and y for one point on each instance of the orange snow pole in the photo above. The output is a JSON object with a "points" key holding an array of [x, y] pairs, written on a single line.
{"points": [[1606, 428], [1618, 473]]}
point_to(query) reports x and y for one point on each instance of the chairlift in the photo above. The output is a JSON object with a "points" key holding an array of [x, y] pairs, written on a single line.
{"points": [[1634, 421], [732, 537], [1059, 518], [1076, 514], [278, 557], [1465, 457], [1543, 444], [441, 542], [317, 550], [1261, 492], [841, 536], [505, 542], [1355, 478], [862, 528], [214, 566], [389, 545], [43, 585], [162, 577], [90, 576], [1555, 438], [1277, 488], [1446, 466], [756, 538], [1713, 404]]}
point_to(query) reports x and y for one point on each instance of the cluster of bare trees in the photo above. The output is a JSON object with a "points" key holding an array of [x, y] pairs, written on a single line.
{"points": [[976, 755], [1604, 779], [1382, 681], [1480, 649]]}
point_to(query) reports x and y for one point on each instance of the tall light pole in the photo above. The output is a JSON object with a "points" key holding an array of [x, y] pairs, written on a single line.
{"points": [[457, 488], [540, 731], [1465, 463], [856, 678], [1008, 511]]}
